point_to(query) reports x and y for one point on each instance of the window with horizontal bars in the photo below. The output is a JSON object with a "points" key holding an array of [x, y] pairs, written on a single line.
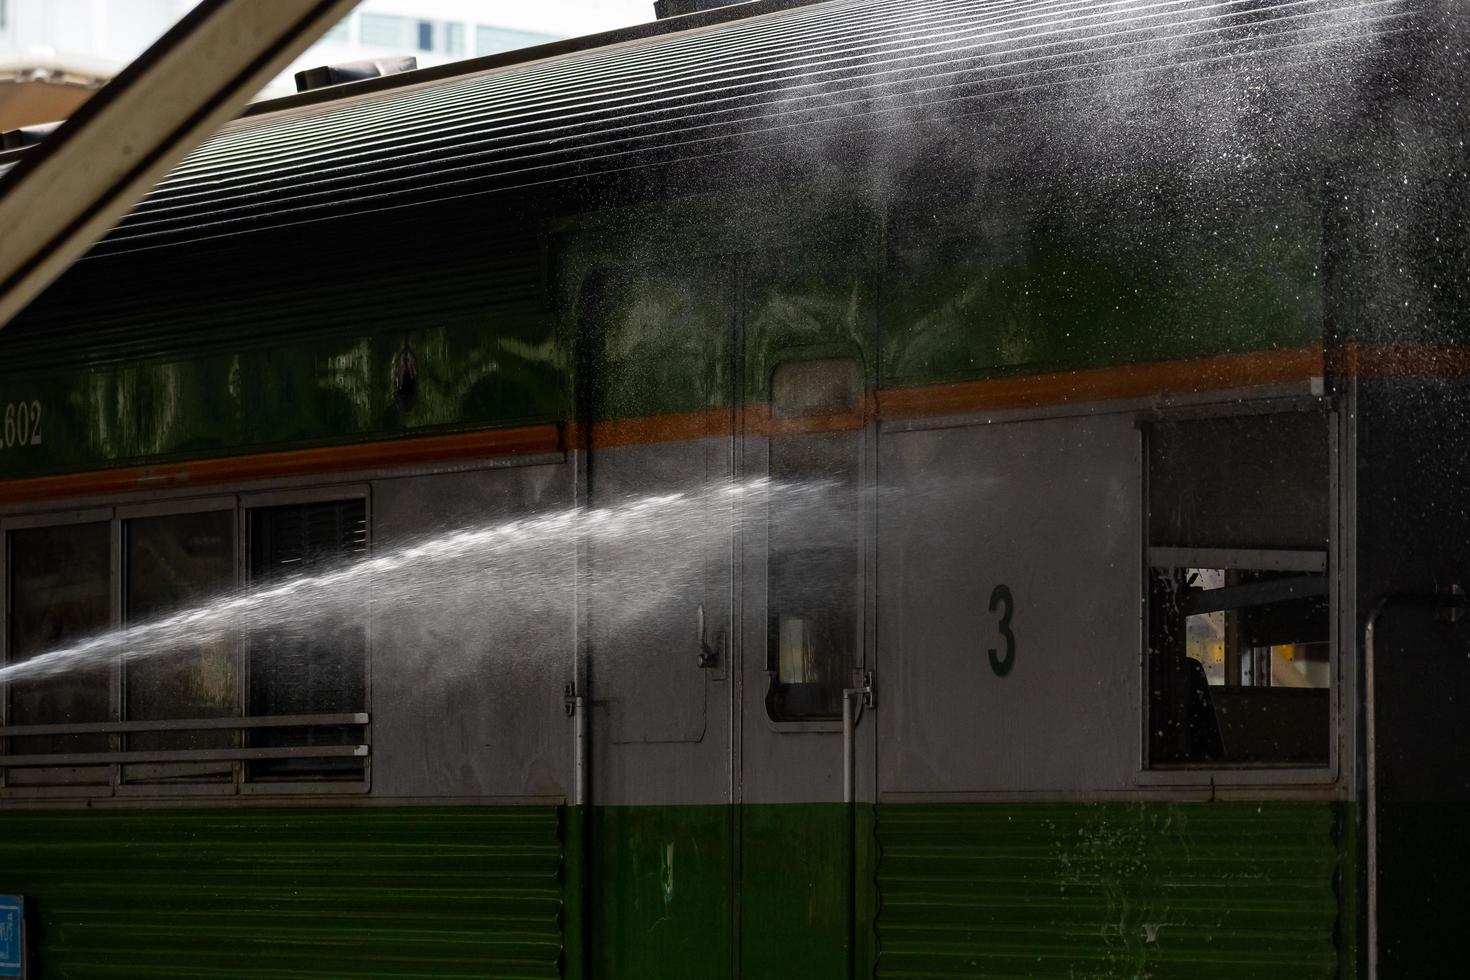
{"points": [[156, 708], [1240, 653], [173, 562], [317, 671], [59, 593]]}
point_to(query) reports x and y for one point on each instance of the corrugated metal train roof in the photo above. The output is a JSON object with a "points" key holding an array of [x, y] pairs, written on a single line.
{"points": [[785, 77]]}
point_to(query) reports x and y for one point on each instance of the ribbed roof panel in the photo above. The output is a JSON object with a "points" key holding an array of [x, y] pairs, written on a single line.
{"points": [[841, 67]]}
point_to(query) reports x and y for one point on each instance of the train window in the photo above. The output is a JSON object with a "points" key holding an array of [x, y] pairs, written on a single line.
{"points": [[174, 562], [320, 671], [1246, 481], [72, 581], [1240, 667], [815, 560], [60, 592]]}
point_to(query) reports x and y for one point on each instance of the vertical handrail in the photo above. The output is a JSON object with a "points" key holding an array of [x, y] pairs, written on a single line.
{"points": [[1393, 600], [864, 697], [850, 719]]}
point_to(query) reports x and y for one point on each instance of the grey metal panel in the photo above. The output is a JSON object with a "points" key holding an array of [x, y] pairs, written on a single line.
{"points": [[648, 583], [660, 721], [1052, 509], [468, 677]]}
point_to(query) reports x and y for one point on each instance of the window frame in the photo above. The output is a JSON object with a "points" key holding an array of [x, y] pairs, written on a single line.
{"points": [[74, 782], [122, 514], [307, 495], [867, 537], [1335, 555], [115, 515]]}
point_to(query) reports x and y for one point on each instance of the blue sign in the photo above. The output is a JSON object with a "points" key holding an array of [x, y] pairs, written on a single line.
{"points": [[12, 935]]}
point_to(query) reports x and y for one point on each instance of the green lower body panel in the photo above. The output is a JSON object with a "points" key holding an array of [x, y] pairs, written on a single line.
{"points": [[1424, 874], [796, 877], [661, 889], [1111, 890], [1127, 890], [301, 893], [716, 891]]}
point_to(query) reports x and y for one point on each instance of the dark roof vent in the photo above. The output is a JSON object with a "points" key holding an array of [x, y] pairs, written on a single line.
{"points": [[14, 139], [675, 8], [352, 71]]}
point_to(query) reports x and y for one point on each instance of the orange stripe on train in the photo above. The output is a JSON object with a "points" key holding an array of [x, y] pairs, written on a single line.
{"points": [[1220, 373], [295, 462]]}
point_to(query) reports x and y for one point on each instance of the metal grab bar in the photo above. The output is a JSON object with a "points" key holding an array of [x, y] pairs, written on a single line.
{"points": [[181, 755], [186, 725], [1394, 600], [850, 718]]}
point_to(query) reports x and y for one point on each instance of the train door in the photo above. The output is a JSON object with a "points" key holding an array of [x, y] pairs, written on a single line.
{"points": [[656, 410], [806, 323]]}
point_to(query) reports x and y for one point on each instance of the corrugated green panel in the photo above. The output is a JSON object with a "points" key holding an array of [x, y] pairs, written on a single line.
{"points": [[1108, 890], [302, 893]]}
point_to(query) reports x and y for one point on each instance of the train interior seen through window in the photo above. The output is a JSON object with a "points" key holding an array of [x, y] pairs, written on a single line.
{"points": [[1240, 652]]}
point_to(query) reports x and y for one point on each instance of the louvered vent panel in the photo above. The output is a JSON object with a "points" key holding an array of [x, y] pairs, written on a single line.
{"points": [[239, 894], [1108, 890]]}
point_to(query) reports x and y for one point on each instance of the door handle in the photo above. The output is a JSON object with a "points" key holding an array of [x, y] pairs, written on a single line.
{"points": [[709, 656]]}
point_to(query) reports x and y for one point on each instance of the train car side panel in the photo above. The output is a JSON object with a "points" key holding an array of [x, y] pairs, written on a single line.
{"points": [[304, 892], [1010, 584]]}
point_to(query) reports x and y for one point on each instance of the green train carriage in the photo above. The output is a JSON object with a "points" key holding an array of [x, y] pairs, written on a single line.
{"points": [[1121, 341]]}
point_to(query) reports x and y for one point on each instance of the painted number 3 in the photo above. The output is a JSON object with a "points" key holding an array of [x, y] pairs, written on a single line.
{"points": [[1002, 601]]}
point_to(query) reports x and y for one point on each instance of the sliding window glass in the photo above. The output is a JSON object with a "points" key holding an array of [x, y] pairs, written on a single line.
{"points": [[1240, 654], [60, 593], [815, 559], [312, 660], [173, 563]]}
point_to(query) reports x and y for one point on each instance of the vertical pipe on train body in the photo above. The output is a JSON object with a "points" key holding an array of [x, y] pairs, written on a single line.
{"points": [[863, 695], [1370, 776], [850, 718], [1451, 601], [848, 737], [580, 734]]}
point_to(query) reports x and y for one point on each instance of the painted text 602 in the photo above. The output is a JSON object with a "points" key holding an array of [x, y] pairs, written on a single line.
{"points": [[22, 425]]}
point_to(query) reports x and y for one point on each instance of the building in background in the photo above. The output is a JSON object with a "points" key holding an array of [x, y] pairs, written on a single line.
{"points": [[55, 53]]}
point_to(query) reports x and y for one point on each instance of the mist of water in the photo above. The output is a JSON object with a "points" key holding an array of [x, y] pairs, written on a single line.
{"points": [[636, 557]]}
